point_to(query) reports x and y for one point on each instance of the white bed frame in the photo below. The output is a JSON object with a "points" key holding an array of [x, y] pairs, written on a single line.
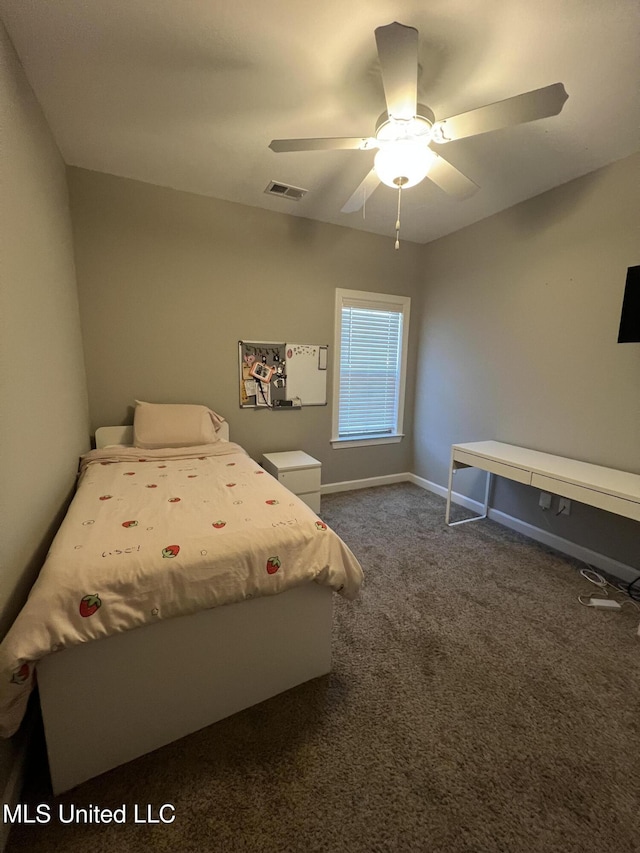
{"points": [[124, 434], [107, 702]]}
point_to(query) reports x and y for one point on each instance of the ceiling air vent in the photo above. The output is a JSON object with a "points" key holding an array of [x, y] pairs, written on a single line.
{"points": [[285, 191]]}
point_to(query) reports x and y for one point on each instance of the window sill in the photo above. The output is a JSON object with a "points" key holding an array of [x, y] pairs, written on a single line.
{"points": [[342, 443]]}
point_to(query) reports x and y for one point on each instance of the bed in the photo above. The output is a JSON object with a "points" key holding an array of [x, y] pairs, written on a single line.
{"points": [[203, 585]]}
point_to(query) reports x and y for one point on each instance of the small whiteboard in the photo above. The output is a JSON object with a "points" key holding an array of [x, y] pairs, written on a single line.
{"points": [[307, 373]]}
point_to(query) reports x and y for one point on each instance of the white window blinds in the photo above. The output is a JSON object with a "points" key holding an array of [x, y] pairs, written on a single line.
{"points": [[370, 368]]}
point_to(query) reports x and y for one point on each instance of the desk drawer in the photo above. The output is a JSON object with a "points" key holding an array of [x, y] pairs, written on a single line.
{"points": [[303, 480], [521, 475], [584, 495]]}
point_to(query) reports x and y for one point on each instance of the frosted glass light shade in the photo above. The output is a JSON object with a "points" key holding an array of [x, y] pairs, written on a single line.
{"points": [[404, 161]]}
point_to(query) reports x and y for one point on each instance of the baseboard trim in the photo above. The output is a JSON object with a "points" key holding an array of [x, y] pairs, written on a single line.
{"points": [[367, 483], [441, 491], [565, 546], [572, 549]]}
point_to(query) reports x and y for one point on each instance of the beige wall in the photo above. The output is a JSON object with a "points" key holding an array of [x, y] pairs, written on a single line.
{"points": [[170, 281], [518, 343], [43, 403]]}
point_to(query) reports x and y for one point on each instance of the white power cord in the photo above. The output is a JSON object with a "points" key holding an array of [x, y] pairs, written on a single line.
{"points": [[603, 601]]}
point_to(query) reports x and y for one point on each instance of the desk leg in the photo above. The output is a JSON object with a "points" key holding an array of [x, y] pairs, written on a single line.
{"points": [[487, 491], [448, 511], [486, 495]]}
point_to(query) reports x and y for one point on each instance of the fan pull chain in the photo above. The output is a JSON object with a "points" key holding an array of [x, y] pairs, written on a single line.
{"points": [[398, 219]]}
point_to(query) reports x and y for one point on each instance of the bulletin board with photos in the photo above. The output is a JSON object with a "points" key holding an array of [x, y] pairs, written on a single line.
{"points": [[280, 375]]}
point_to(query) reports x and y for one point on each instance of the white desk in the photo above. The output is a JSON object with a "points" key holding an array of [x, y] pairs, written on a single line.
{"points": [[605, 488]]}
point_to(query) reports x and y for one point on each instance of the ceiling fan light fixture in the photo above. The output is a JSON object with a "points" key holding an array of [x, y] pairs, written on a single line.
{"points": [[417, 128], [403, 163], [406, 128], [438, 133]]}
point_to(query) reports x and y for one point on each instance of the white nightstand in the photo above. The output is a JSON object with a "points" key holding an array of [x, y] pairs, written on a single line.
{"points": [[299, 472]]}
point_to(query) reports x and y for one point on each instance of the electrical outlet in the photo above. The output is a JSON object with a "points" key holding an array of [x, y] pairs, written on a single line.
{"points": [[564, 506], [545, 500]]}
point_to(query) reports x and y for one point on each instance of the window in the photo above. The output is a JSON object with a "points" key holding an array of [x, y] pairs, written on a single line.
{"points": [[372, 331]]}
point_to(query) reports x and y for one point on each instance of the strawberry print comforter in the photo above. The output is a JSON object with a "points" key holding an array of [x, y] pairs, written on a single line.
{"points": [[155, 534]]}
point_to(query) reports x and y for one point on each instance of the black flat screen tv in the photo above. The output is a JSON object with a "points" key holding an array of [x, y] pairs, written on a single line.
{"points": [[630, 319]]}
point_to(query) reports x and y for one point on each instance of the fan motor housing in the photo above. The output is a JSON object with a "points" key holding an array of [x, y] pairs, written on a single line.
{"points": [[391, 129]]}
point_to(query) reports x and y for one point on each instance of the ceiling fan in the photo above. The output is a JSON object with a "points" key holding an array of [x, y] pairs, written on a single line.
{"points": [[407, 131]]}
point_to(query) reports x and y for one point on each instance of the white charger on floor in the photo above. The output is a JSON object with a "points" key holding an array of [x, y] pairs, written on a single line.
{"points": [[604, 604]]}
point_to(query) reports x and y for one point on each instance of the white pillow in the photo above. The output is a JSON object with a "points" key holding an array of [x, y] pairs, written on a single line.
{"points": [[173, 425]]}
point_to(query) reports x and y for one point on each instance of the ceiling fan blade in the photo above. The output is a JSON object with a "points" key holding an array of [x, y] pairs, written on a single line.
{"points": [[357, 200], [450, 179], [539, 103], [398, 55], [337, 142]]}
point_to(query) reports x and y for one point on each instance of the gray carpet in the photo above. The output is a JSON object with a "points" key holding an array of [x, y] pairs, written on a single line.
{"points": [[474, 707]]}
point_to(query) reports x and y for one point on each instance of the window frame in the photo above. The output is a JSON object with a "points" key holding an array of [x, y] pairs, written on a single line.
{"points": [[404, 306]]}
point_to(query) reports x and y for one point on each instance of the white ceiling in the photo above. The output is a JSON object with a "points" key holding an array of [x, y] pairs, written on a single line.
{"points": [[188, 94]]}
